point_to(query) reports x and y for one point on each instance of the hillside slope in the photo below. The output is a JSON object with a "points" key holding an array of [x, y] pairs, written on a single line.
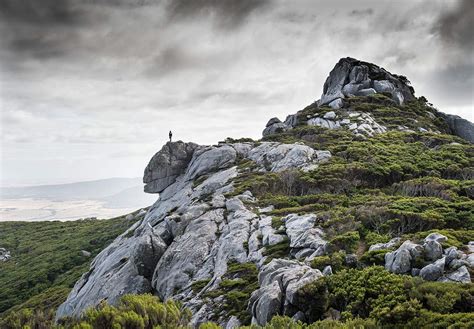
{"points": [[46, 258], [300, 222]]}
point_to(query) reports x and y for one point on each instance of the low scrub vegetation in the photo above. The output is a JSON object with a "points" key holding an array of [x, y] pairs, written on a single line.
{"points": [[49, 257]]}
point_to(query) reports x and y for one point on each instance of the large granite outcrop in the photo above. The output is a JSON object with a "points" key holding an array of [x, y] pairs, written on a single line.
{"points": [[351, 77], [196, 229], [459, 126], [166, 165]]}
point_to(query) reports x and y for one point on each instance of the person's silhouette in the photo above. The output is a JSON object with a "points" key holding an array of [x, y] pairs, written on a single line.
{"points": [[171, 135]]}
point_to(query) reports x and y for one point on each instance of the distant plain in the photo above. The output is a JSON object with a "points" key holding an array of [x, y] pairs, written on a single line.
{"points": [[101, 199]]}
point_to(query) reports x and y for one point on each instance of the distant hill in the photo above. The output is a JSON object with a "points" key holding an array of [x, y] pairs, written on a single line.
{"points": [[96, 189], [103, 198]]}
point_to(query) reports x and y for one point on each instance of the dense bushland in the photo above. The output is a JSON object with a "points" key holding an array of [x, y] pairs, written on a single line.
{"points": [[48, 258]]}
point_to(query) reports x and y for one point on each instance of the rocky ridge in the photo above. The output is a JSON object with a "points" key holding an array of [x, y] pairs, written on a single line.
{"points": [[353, 78], [203, 228], [196, 229]]}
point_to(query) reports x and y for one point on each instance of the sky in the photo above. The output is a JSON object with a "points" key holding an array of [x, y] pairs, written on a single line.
{"points": [[89, 89]]}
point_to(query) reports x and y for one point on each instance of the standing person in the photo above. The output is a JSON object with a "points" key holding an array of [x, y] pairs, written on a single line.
{"points": [[170, 135]]}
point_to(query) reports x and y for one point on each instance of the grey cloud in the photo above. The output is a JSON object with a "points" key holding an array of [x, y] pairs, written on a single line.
{"points": [[44, 12], [229, 13], [455, 83], [361, 12], [111, 72], [456, 26]]}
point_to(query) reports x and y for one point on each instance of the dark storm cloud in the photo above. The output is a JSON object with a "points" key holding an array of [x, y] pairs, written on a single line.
{"points": [[36, 29], [456, 27], [455, 78], [361, 12], [229, 13], [43, 12], [454, 82], [82, 30]]}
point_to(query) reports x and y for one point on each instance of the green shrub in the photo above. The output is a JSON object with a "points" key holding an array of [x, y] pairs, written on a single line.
{"points": [[372, 238], [279, 250], [374, 257], [236, 286], [347, 241], [336, 260]]}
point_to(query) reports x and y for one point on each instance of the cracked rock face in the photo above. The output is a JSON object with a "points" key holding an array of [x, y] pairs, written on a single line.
{"points": [[351, 77], [459, 126], [196, 229], [279, 281], [166, 165], [278, 157]]}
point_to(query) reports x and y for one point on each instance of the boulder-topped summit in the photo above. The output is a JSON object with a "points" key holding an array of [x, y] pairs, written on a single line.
{"points": [[351, 77], [166, 165], [368, 100]]}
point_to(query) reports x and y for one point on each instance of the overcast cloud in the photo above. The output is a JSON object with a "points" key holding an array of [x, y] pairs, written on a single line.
{"points": [[90, 90]]}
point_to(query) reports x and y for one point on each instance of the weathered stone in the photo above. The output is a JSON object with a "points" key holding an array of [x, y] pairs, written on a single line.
{"points": [[434, 271], [336, 104], [266, 209], [415, 271], [380, 246], [451, 254], [327, 270], [280, 157], [433, 250], [291, 120], [436, 237], [302, 233], [461, 275], [470, 260], [275, 129], [176, 268], [470, 247], [400, 260], [459, 126], [210, 159], [166, 165], [350, 89], [4, 255], [383, 86], [272, 121], [457, 263], [330, 115], [266, 303], [269, 236], [85, 253], [353, 77], [124, 267], [351, 260], [233, 323], [279, 281], [335, 82], [366, 92]]}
